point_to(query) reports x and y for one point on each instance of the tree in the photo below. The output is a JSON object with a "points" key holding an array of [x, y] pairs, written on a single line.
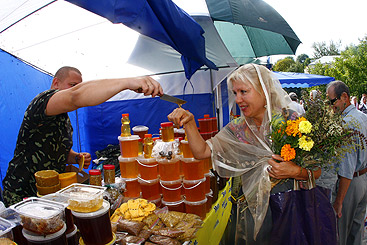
{"points": [[350, 68], [284, 64], [321, 49], [302, 58]]}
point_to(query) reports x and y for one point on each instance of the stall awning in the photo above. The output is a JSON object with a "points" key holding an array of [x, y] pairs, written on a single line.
{"points": [[301, 80]]}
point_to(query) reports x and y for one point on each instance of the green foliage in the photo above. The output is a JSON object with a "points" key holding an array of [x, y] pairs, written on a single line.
{"points": [[322, 49], [350, 68], [284, 64], [302, 58]]}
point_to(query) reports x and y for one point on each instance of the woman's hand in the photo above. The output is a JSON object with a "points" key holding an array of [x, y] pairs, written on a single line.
{"points": [[283, 170], [180, 116]]}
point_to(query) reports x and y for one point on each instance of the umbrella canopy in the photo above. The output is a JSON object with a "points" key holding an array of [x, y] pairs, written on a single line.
{"points": [[301, 80], [252, 28]]}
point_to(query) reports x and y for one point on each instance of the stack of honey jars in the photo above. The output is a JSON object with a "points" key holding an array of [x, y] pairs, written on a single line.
{"points": [[129, 148], [208, 126]]}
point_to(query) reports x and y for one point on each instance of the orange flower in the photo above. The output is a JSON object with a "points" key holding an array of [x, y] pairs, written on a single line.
{"points": [[287, 152], [293, 127]]}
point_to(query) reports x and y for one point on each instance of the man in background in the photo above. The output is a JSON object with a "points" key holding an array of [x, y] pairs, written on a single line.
{"points": [[299, 108]]}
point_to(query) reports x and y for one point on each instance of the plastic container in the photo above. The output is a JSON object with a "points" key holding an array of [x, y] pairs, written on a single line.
{"points": [[147, 168], [171, 190], [140, 130], [95, 227], [83, 198], [57, 238], [67, 179], [95, 177], [193, 169], [125, 125], [6, 229], [128, 167], [206, 136], [209, 203], [132, 188], [148, 145], [129, 146], [186, 151], [205, 125], [150, 189], [12, 216], [40, 216], [169, 170], [207, 183], [72, 237], [178, 206], [198, 208], [167, 132], [46, 178], [194, 190], [207, 165], [108, 174]]}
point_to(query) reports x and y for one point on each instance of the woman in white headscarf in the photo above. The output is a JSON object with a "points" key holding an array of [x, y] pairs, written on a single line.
{"points": [[363, 105], [242, 148]]}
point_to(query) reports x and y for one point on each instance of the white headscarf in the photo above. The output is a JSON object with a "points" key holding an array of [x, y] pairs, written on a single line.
{"points": [[240, 149]]}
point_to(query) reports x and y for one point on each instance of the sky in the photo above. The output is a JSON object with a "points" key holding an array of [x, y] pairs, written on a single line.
{"points": [[323, 21]]}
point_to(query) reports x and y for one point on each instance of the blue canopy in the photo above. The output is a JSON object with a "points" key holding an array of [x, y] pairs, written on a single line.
{"points": [[301, 80], [161, 20]]}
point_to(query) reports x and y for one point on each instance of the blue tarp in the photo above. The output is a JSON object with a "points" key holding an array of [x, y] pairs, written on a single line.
{"points": [[301, 80]]}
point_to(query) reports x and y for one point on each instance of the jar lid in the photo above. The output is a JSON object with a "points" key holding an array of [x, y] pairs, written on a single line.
{"points": [[35, 237], [147, 135], [125, 115], [166, 124], [94, 172], [108, 167], [140, 128], [206, 116], [104, 209], [127, 138]]}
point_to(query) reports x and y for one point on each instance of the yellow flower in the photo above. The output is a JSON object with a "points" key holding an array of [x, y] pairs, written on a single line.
{"points": [[287, 152], [305, 143], [305, 127]]}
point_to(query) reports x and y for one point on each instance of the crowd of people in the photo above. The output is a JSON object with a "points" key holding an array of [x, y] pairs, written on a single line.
{"points": [[242, 149]]}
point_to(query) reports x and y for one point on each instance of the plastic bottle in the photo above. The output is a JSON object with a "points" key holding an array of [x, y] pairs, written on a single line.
{"points": [[148, 145], [125, 125]]}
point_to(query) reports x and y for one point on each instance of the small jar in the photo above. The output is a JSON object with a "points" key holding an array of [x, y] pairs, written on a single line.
{"points": [[167, 132], [95, 177], [109, 174]]}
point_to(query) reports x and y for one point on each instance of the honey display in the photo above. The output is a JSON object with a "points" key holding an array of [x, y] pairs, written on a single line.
{"points": [[83, 198], [148, 145], [169, 170], [129, 146], [132, 188], [140, 130], [108, 174], [150, 189], [95, 177], [128, 167], [125, 125], [186, 151], [95, 227], [198, 208], [171, 190], [194, 190], [175, 206], [57, 238], [147, 168], [167, 132], [193, 169]]}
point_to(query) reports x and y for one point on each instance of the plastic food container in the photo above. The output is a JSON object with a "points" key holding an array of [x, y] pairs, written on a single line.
{"points": [[83, 198], [132, 188], [172, 190], [95, 227], [150, 189], [12, 216], [5, 229], [198, 208], [207, 165], [129, 146], [109, 174], [57, 238], [175, 206], [186, 151], [148, 168], [46, 178], [205, 125], [128, 167], [72, 237], [95, 177], [194, 190], [169, 169], [193, 169], [40, 216]]}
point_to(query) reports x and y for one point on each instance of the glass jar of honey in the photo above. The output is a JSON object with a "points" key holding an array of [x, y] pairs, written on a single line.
{"points": [[109, 174], [95, 177], [167, 132]]}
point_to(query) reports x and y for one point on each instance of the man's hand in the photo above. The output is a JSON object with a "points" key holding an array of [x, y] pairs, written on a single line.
{"points": [[145, 85]]}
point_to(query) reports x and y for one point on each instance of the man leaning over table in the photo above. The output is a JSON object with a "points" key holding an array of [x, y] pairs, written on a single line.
{"points": [[350, 195], [45, 136]]}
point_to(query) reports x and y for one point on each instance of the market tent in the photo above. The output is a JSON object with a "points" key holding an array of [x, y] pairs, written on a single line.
{"points": [[301, 80]]}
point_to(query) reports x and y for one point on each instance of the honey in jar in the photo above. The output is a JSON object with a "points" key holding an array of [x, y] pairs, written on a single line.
{"points": [[147, 168], [125, 125], [129, 146], [167, 132], [132, 188], [186, 151], [198, 208], [175, 206], [128, 167], [140, 130], [207, 164], [95, 177], [193, 169], [150, 189], [148, 145], [169, 169], [109, 174], [171, 190], [194, 190]]}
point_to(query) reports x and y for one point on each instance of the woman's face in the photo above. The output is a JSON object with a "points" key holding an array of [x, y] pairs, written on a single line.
{"points": [[251, 102]]}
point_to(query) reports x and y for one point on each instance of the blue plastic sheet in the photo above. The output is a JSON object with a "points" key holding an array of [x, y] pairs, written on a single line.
{"points": [[303, 217]]}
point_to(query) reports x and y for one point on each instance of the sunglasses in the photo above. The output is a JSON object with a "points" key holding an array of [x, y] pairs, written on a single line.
{"points": [[331, 102]]}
